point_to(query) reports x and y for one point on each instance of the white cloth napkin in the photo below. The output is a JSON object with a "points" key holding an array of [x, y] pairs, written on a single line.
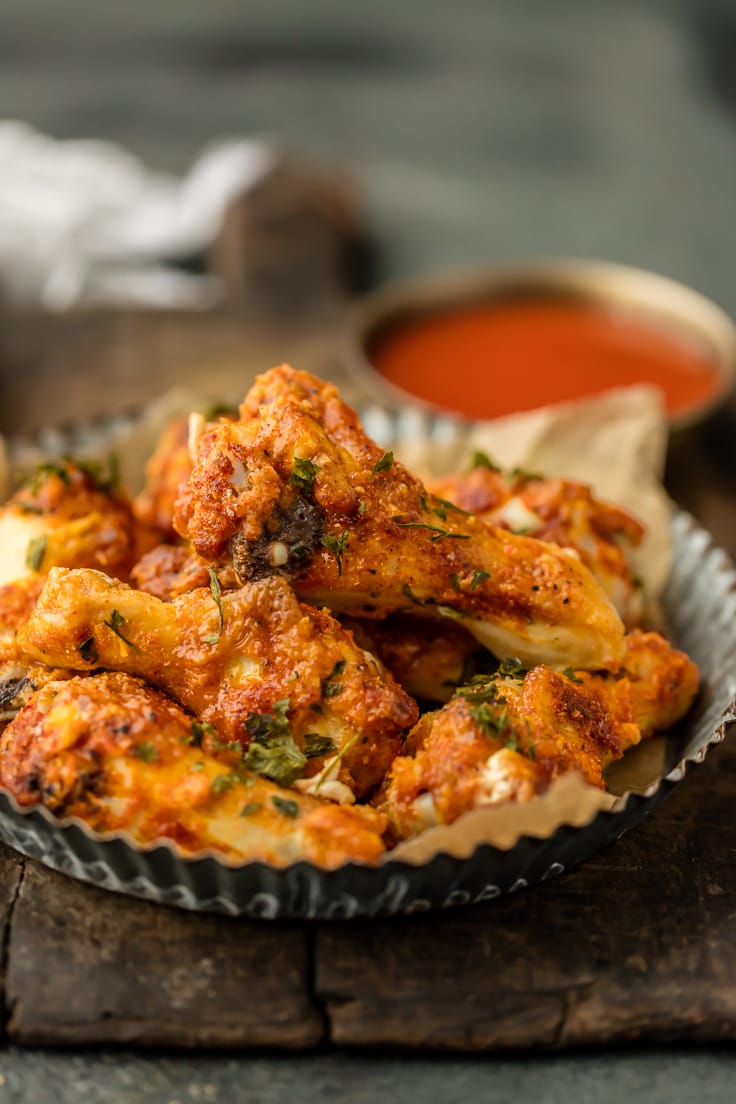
{"points": [[86, 222]]}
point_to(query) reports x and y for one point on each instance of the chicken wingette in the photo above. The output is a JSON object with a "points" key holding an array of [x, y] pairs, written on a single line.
{"points": [[281, 678], [68, 515], [507, 736], [563, 512], [123, 757], [296, 488]]}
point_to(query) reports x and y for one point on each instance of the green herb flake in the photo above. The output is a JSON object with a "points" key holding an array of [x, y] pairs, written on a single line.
{"points": [[219, 409], [199, 729], [362, 507], [316, 745], [146, 751], [104, 479], [523, 475], [250, 808], [332, 689], [216, 592], [492, 718], [44, 471], [198, 766], [114, 623], [442, 505], [438, 533], [478, 578], [384, 464], [513, 744], [35, 553], [273, 752], [482, 460], [512, 667], [303, 474], [222, 782], [337, 546], [88, 650], [288, 808], [455, 580], [570, 674]]}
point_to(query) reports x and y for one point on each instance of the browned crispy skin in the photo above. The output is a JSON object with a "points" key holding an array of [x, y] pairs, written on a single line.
{"points": [[360, 534], [169, 570], [269, 649], [169, 466], [62, 517], [505, 738], [122, 756], [563, 512], [19, 675], [427, 658]]}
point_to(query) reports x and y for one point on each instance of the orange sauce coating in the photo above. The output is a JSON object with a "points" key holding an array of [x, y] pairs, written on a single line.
{"points": [[487, 360]]}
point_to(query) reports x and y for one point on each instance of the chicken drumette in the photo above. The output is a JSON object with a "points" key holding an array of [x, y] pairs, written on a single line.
{"points": [[121, 756], [507, 736], [281, 678], [296, 488]]}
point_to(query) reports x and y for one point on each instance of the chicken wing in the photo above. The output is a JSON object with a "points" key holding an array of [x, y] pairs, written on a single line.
{"points": [[283, 679], [19, 675], [296, 488], [121, 756], [505, 738], [562, 512], [66, 515]]}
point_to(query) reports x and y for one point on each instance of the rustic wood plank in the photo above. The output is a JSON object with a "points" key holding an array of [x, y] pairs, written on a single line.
{"points": [[11, 873], [640, 942], [87, 966]]}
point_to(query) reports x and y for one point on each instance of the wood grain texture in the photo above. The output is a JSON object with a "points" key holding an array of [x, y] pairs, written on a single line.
{"points": [[87, 966], [639, 943]]}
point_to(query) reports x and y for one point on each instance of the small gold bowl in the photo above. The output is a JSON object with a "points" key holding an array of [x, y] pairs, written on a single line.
{"points": [[649, 300]]}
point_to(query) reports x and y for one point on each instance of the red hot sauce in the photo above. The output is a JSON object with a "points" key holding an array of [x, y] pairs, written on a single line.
{"points": [[487, 360]]}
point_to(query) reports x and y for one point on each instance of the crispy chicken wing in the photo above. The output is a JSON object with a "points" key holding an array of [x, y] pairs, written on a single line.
{"points": [[563, 512], [254, 663], [430, 659], [67, 516], [504, 738], [296, 488], [122, 756], [19, 675]]}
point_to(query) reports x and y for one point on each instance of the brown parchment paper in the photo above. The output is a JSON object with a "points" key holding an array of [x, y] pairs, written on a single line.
{"points": [[616, 442]]}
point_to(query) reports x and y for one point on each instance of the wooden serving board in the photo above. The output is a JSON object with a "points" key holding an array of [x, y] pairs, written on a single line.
{"points": [[639, 943]]}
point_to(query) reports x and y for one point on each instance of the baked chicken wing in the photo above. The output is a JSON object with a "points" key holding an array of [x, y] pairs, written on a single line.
{"points": [[67, 515], [121, 756], [295, 488], [506, 737], [280, 678], [563, 512]]}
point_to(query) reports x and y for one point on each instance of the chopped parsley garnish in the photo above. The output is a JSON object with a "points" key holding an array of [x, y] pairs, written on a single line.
{"points": [[197, 766], [88, 650], [222, 782], [219, 409], [337, 546], [478, 578], [492, 718], [104, 480], [442, 505], [114, 623], [438, 533], [482, 460], [35, 553], [146, 751], [316, 745], [216, 592], [522, 475], [512, 668], [273, 752], [288, 808], [43, 471], [250, 808], [480, 688], [362, 507], [302, 475], [199, 729], [455, 580], [330, 688], [384, 463], [513, 744], [570, 674]]}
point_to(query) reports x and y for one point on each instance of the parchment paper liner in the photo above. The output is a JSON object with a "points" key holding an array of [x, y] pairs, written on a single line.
{"points": [[522, 842]]}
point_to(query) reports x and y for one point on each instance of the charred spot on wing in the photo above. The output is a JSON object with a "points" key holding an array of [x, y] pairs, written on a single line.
{"points": [[11, 689], [287, 542]]}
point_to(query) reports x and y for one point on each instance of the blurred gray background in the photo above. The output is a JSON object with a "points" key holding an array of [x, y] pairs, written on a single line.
{"points": [[477, 129]]}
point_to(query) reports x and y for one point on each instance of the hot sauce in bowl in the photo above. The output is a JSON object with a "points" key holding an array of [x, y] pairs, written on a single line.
{"points": [[551, 333]]}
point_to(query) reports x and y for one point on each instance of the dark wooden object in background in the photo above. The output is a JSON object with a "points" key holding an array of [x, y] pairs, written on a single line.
{"points": [[640, 942]]}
